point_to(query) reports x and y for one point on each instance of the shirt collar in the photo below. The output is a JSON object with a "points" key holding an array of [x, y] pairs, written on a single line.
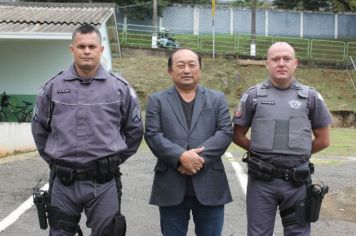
{"points": [[71, 73], [294, 85]]}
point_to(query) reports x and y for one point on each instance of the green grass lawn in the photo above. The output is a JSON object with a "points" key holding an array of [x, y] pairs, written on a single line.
{"points": [[148, 74], [342, 143]]}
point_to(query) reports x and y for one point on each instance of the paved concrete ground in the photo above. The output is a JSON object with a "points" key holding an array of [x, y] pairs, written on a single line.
{"points": [[18, 174]]}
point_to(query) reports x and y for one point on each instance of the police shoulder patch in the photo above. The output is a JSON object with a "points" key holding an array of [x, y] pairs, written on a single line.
{"points": [[238, 112], [35, 113], [244, 97]]}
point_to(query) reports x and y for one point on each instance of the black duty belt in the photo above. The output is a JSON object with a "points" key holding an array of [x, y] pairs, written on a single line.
{"points": [[263, 170], [104, 172], [85, 175]]}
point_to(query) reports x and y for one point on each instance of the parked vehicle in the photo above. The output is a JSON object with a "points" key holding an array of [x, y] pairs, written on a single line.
{"points": [[166, 40]]}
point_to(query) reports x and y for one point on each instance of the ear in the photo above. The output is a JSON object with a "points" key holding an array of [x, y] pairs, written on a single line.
{"points": [[266, 64], [102, 49], [71, 48]]}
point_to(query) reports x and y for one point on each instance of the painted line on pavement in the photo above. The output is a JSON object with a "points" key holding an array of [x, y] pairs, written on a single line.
{"points": [[15, 215], [240, 173]]}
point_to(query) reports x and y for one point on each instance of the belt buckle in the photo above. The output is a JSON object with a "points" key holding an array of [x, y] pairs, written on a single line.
{"points": [[283, 174]]}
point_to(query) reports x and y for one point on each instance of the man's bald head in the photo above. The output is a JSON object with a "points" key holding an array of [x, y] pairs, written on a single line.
{"points": [[279, 45]]}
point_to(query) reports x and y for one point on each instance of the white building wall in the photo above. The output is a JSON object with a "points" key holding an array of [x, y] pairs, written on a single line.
{"points": [[15, 137], [26, 65]]}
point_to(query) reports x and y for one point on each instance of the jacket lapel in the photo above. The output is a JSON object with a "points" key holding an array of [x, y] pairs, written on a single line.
{"points": [[174, 100], [198, 106]]}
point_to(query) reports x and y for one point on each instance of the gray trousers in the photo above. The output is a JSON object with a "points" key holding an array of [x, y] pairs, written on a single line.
{"points": [[263, 198], [99, 202]]}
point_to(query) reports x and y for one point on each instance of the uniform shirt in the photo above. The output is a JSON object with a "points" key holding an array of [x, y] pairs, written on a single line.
{"points": [[78, 121], [319, 117]]}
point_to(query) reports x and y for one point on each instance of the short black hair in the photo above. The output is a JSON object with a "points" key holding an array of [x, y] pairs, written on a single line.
{"points": [[170, 59], [86, 29]]}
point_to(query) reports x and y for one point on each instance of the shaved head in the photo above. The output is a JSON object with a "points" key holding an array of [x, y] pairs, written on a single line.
{"points": [[284, 45], [281, 64]]}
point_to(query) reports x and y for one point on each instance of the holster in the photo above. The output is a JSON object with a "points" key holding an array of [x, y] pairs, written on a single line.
{"points": [[259, 169], [118, 224], [40, 199], [306, 210], [315, 197], [119, 220]]}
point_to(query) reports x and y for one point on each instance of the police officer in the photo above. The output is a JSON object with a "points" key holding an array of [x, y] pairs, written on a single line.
{"points": [[86, 122], [283, 115]]}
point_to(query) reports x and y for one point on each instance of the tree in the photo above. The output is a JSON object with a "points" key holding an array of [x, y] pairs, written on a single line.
{"points": [[316, 5], [74, 1], [283, 4], [344, 5], [141, 9]]}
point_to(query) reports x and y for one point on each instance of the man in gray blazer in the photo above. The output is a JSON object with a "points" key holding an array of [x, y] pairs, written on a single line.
{"points": [[188, 129]]}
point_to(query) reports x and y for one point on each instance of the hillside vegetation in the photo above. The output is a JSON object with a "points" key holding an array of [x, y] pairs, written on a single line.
{"points": [[148, 74]]}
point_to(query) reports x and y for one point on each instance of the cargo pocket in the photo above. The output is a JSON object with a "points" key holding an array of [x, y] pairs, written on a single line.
{"points": [[300, 135], [262, 133]]}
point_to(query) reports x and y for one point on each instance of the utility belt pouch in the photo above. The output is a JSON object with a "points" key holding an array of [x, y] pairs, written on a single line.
{"points": [[259, 169], [106, 169], [317, 194], [65, 175], [301, 174]]}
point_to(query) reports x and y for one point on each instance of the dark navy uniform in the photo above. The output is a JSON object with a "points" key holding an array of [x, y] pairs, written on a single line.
{"points": [[78, 122], [281, 122]]}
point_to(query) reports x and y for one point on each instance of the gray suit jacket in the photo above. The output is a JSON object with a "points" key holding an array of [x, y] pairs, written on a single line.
{"points": [[168, 136]]}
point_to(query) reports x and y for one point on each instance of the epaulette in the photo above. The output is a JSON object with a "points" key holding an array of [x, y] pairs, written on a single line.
{"points": [[253, 87], [262, 89], [303, 90], [119, 77], [59, 73], [41, 90], [53, 77]]}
